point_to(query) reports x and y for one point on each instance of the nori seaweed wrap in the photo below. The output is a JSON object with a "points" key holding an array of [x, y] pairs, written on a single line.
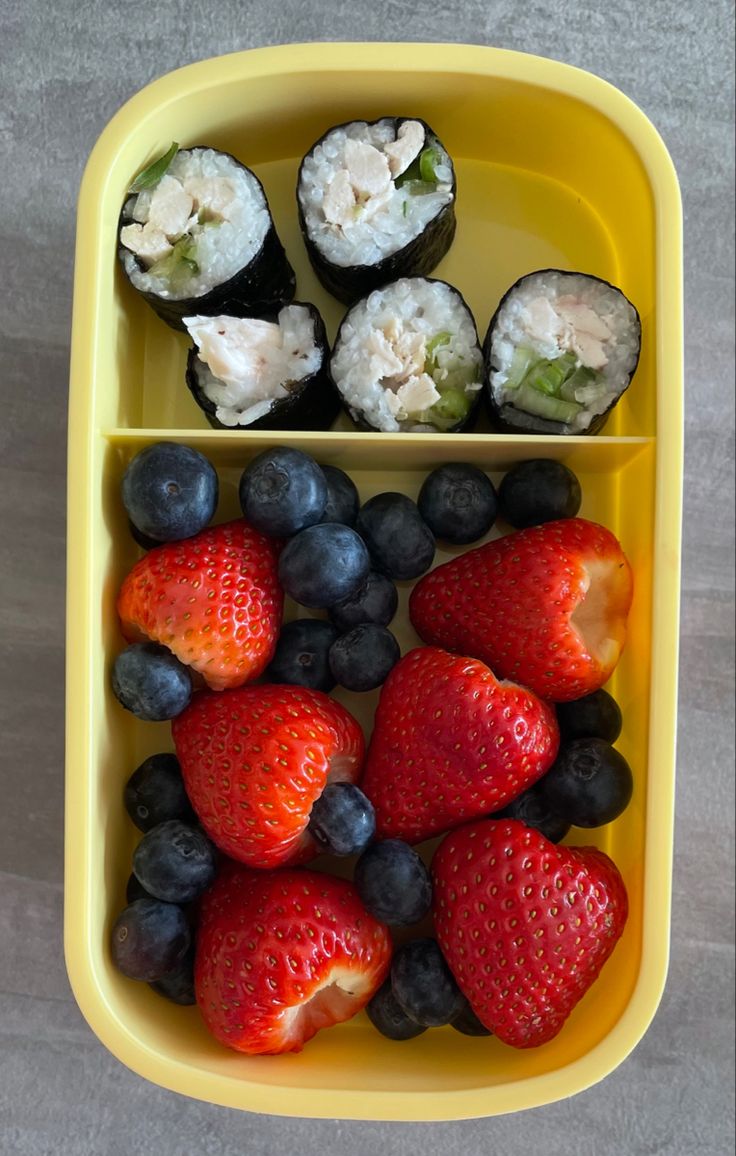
{"points": [[196, 236], [559, 354], [376, 202]]}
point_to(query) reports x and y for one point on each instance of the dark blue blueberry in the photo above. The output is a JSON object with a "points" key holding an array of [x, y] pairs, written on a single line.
{"points": [[301, 654], [342, 819], [135, 890], [155, 792], [323, 564], [393, 883], [149, 681], [389, 1018], [143, 540], [149, 938], [533, 808], [175, 862], [400, 542], [589, 784], [170, 492], [469, 1024], [458, 502], [178, 985], [423, 985], [538, 491], [363, 658], [282, 491], [597, 716], [375, 601], [343, 501]]}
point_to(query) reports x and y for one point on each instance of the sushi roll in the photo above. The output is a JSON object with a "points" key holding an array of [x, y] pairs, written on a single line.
{"points": [[196, 236], [376, 202], [407, 359], [259, 373], [560, 351]]}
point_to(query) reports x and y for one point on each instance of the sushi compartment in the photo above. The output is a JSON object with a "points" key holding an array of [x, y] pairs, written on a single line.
{"points": [[522, 204]]}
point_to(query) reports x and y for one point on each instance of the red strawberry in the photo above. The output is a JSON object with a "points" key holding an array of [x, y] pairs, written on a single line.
{"points": [[255, 759], [214, 600], [525, 925], [546, 606], [282, 954], [451, 743]]}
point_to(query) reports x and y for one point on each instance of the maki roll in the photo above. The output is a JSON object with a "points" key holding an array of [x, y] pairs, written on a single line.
{"points": [[196, 236], [560, 351], [258, 373], [407, 358], [376, 202]]}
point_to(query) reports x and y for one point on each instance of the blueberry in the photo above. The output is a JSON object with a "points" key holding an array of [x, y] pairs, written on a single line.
{"points": [[149, 938], [423, 985], [469, 1024], [149, 681], [155, 792], [175, 862], [342, 819], [590, 782], [597, 716], [375, 601], [323, 564], [393, 883], [135, 890], [282, 491], [400, 542], [533, 808], [301, 654], [389, 1018], [343, 501], [363, 658], [178, 985], [538, 491], [458, 503], [170, 492], [143, 540]]}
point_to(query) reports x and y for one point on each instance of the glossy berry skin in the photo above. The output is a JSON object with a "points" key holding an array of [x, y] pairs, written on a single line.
{"points": [[468, 1024], [589, 784], [282, 491], [150, 682], [175, 862], [451, 743], [375, 601], [170, 491], [393, 883], [400, 542], [342, 819], [149, 938], [458, 502], [538, 491], [323, 564], [177, 985], [389, 1018], [155, 792], [362, 658], [534, 810], [524, 925], [214, 600], [301, 657], [423, 985], [254, 761], [343, 501], [596, 716], [282, 954]]}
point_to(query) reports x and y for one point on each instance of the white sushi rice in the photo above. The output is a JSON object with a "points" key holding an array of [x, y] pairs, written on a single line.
{"points": [[379, 360], [353, 211], [553, 313], [245, 364], [208, 198]]}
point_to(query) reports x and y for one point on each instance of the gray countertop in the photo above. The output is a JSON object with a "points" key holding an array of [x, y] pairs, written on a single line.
{"points": [[66, 70]]}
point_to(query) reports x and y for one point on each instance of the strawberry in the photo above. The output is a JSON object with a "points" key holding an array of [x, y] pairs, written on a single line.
{"points": [[546, 606], [213, 599], [525, 925], [451, 743], [255, 759], [282, 954]]}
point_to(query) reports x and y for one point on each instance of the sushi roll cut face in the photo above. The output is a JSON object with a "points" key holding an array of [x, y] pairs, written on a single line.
{"points": [[407, 359], [197, 227], [562, 349], [244, 366]]}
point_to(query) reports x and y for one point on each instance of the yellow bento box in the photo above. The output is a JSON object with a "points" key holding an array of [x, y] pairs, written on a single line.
{"points": [[555, 168]]}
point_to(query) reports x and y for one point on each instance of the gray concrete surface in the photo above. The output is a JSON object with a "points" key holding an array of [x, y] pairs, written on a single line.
{"points": [[65, 70]]}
